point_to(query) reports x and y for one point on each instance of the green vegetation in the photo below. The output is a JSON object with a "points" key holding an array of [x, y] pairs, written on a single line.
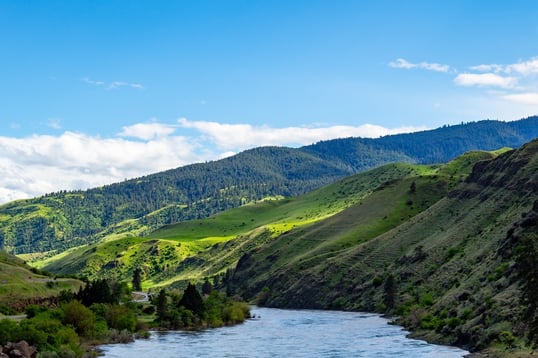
{"points": [[92, 316], [208, 247], [53, 223], [460, 269], [20, 284], [449, 249], [102, 312], [192, 311]]}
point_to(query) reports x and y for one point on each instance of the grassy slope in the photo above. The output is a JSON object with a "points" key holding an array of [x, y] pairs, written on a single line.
{"points": [[199, 248], [338, 246], [56, 222], [451, 283], [17, 282]]}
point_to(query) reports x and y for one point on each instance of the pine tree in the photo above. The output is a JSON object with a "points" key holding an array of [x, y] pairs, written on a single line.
{"points": [[137, 279], [207, 287], [192, 300], [389, 298], [161, 306]]}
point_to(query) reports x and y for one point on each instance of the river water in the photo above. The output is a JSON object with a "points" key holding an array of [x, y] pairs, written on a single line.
{"points": [[289, 334]]}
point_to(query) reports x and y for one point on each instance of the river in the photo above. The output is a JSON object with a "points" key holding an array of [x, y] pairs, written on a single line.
{"points": [[290, 334]]}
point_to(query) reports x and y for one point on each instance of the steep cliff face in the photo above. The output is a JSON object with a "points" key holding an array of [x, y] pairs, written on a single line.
{"points": [[454, 270]]}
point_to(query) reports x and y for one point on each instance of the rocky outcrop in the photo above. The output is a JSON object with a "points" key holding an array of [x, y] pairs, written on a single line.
{"points": [[18, 350]]}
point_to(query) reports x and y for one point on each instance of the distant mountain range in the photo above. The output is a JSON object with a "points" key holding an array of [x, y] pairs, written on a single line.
{"points": [[58, 221]]}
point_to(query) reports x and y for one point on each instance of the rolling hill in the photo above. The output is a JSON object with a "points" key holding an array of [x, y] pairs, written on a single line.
{"points": [[208, 247], [460, 272], [22, 284], [450, 249], [56, 222]]}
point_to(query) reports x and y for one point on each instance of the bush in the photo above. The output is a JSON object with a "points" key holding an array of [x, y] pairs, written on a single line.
{"points": [[33, 310], [120, 318], [9, 331], [236, 313], [79, 316], [6, 310], [116, 336], [429, 321]]}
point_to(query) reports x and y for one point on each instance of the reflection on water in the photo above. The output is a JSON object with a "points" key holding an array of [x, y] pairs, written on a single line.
{"points": [[290, 334]]}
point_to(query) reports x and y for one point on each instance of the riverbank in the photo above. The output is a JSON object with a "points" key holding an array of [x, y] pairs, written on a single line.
{"points": [[494, 352]]}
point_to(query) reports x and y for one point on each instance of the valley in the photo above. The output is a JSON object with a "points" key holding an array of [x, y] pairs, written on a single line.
{"points": [[440, 247]]}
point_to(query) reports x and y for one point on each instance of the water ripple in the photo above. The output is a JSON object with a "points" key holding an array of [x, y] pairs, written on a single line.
{"points": [[289, 334]]}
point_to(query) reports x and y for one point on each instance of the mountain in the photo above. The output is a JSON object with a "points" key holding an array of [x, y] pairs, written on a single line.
{"points": [[449, 249], [206, 247], [462, 271], [58, 221]]}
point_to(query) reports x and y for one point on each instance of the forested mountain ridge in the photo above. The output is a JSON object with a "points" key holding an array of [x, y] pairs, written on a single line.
{"points": [[68, 219]]}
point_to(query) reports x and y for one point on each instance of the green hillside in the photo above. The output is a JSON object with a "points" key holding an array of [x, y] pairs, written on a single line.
{"points": [[450, 249], [379, 198], [21, 283], [56, 222], [169, 246], [463, 271]]}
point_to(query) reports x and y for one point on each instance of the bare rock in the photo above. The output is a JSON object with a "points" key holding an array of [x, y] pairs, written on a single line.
{"points": [[19, 350]]}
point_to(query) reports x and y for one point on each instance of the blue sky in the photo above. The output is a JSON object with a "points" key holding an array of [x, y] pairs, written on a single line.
{"points": [[94, 92]]}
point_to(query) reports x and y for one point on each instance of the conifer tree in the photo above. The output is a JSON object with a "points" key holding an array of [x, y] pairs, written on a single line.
{"points": [[192, 300], [162, 306], [137, 279]]}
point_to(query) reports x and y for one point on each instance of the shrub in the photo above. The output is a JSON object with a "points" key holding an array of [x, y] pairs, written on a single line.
{"points": [[6, 310], [120, 318], [237, 312], [9, 331], [79, 316]]}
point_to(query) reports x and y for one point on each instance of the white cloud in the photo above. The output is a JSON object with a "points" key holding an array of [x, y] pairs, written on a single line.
{"points": [[485, 80], [525, 68], [40, 164], [487, 68], [518, 82], [113, 85], [524, 98], [147, 131], [403, 63], [54, 123], [242, 136], [118, 84], [92, 82]]}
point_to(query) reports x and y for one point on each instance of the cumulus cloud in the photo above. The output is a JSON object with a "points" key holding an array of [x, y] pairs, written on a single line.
{"points": [[242, 136], [118, 84], [403, 63], [525, 68], [147, 131], [92, 82], [485, 79], [518, 81], [40, 164]]}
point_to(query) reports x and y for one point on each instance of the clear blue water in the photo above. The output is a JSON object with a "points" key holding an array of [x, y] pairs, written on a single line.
{"points": [[290, 334]]}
